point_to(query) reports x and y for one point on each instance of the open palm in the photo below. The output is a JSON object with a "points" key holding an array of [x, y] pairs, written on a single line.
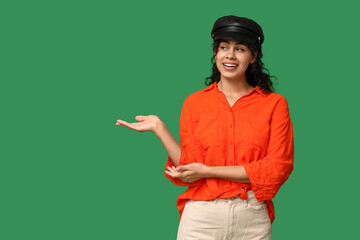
{"points": [[147, 123]]}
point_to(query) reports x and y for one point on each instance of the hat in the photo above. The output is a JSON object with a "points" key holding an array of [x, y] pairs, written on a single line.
{"points": [[238, 28]]}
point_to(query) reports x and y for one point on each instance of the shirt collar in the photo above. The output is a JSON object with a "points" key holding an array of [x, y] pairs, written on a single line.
{"points": [[214, 86]]}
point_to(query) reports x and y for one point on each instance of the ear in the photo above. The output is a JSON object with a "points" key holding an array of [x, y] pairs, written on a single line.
{"points": [[254, 58]]}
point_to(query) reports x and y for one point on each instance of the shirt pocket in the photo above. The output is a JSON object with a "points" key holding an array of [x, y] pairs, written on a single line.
{"points": [[253, 132], [207, 130]]}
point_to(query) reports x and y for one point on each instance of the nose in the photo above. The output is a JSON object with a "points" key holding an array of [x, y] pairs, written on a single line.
{"points": [[230, 54]]}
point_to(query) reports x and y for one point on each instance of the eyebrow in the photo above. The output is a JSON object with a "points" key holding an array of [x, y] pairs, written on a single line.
{"points": [[239, 43]]}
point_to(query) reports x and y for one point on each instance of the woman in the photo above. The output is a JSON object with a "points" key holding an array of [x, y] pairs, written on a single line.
{"points": [[236, 141]]}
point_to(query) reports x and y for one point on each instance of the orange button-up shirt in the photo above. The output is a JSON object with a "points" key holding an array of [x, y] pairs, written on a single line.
{"points": [[255, 132]]}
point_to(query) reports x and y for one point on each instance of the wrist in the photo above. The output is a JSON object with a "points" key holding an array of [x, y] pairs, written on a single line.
{"points": [[159, 127], [207, 172]]}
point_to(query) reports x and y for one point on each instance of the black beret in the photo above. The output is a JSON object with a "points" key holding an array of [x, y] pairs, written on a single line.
{"points": [[241, 29]]}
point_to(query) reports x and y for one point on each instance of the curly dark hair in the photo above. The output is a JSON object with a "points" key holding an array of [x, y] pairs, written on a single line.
{"points": [[255, 74]]}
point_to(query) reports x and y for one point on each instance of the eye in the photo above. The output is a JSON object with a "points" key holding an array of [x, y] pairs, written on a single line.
{"points": [[222, 47], [240, 49]]}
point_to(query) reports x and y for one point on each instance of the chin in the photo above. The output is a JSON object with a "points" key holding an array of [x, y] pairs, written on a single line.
{"points": [[231, 76]]}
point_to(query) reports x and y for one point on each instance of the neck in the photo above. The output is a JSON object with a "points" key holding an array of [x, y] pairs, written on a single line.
{"points": [[232, 87]]}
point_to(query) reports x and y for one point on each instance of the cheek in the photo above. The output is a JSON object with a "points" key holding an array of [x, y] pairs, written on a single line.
{"points": [[219, 65], [245, 60], [251, 58]]}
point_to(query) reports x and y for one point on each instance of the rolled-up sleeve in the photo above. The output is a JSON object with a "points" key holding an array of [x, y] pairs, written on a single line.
{"points": [[191, 149], [269, 173]]}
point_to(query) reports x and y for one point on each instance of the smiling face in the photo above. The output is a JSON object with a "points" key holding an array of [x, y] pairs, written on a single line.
{"points": [[232, 59]]}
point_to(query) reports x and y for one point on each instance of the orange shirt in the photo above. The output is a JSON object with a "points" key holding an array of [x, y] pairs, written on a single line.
{"points": [[255, 132]]}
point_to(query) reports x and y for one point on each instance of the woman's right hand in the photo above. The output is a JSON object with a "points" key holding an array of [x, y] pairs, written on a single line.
{"points": [[147, 123]]}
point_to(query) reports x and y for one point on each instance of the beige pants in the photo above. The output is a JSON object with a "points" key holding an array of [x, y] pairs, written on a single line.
{"points": [[222, 219]]}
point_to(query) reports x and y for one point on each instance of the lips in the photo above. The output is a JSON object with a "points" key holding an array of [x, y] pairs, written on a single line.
{"points": [[230, 66]]}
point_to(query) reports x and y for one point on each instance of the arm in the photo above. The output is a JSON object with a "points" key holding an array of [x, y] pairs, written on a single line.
{"points": [[171, 146], [269, 173], [154, 124], [191, 150], [187, 152], [232, 173], [194, 171]]}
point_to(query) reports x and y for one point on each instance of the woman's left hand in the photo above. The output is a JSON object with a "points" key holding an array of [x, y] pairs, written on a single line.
{"points": [[188, 173]]}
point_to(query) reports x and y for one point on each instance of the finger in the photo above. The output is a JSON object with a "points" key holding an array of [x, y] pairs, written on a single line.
{"points": [[121, 122], [173, 175], [140, 117], [128, 125], [181, 168], [171, 170]]}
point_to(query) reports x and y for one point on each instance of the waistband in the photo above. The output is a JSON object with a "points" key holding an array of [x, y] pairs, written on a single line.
{"points": [[236, 199]]}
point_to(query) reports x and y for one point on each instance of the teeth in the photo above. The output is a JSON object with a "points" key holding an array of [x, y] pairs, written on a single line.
{"points": [[229, 65]]}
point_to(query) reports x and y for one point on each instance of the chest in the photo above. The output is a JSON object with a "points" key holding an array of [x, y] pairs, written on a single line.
{"points": [[247, 124], [232, 100]]}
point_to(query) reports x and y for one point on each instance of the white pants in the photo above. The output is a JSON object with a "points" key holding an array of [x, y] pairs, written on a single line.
{"points": [[222, 219]]}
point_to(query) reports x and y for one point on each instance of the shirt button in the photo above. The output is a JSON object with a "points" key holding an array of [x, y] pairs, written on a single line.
{"points": [[231, 143], [230, 126], [230, 110]]}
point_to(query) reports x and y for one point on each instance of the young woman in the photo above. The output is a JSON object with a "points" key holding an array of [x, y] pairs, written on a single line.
{"points": [[236, 141]]}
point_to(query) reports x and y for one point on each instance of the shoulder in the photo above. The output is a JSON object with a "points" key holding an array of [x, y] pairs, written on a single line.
{"points": [[279, 106], [275, 96], [276, 99], [195, 97], [195, 103], [273, 103]]}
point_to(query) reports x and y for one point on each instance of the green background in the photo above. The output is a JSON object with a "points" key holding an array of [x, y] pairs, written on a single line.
{"points": [[70, 69]]}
